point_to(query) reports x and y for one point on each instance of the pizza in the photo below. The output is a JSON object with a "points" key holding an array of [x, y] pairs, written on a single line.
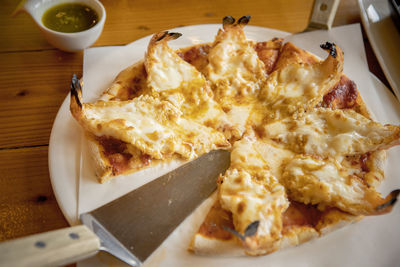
{"points": [[306, 157]]}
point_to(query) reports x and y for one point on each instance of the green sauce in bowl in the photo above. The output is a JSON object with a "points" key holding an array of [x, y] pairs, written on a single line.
{"points": [[70, 17]]}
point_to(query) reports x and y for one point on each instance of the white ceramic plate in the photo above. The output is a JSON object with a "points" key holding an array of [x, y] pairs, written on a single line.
{"points": [[384, 38], [372, 242]]}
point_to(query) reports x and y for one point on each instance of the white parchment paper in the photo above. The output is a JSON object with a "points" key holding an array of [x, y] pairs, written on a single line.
{"points": [[374, 241]]}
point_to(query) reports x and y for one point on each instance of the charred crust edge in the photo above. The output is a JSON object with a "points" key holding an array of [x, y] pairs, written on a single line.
{"points": [[171, 35], [162, 36], [331, 47], [393, 199], [76, 89], [175, 35], [244, 20], [250, 230], [228, 20]]}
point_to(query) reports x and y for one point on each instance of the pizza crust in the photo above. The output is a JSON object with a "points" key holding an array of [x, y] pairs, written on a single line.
{"points": [[206, 246], [101, 165], [292, 235]]}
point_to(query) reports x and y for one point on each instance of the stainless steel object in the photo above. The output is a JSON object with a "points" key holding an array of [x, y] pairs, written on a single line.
{"points": [[130, 227], [322, 15]]}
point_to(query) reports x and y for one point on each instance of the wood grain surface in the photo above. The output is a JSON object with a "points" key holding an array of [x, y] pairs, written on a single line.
{"points": [[34, 80]]}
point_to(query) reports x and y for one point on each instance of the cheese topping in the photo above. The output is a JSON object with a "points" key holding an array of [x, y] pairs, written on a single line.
{"points": [[173, 79], [252, 194], [327, 183], [234, 68], [166, 69], [156, 127], [299, 87], [334, 133]]}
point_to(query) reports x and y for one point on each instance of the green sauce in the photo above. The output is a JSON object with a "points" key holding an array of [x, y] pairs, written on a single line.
{"points": [[70, 17]]}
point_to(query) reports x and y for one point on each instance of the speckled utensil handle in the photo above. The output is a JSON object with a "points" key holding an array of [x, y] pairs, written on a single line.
{"points": [[323, 14], [53, 248]]}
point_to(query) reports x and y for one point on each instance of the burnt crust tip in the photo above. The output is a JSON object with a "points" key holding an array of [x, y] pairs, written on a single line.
{"points": [[250, 230], [76, 89], [175, 35], [392, 199], [162, 36], [331, 47], [228, 20], [170, 35], [244, 20]]}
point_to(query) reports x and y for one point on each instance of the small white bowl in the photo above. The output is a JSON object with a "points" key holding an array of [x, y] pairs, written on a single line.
{"points": [[70, 42]]}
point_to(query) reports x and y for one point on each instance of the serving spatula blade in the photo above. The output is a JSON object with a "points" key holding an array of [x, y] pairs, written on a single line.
{"points": [[130, 227], [142, 219]]}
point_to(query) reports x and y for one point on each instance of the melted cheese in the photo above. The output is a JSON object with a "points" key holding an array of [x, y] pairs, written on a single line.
{"points": [[234, 67], [238, 116], [274, 156], [296, 88], [328, 183], [334, 133], [166, 69], [251, 198], [173, 79], [251, 193], [155, 127]]}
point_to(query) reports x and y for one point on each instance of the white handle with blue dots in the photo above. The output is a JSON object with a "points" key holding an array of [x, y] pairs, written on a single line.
{"points": [[53, 248]]}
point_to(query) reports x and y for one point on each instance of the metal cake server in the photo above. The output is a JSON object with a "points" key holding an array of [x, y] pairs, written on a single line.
{"points": [[130, 227]]}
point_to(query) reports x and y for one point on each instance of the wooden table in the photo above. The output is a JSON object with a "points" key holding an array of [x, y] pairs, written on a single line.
{"points": [[35, 77]]}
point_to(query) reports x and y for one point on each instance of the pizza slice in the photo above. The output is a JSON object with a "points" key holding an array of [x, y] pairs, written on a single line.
{"points": [[171, 78], [152, 126], [249, 208], [344, 95], [253, 195], [234, 69], [298, 87], [300, 223], [326, 182], [326, 132]]}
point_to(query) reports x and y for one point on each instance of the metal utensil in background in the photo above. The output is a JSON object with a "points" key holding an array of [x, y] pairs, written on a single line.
{"points": [[322, 15], [130, 227], [384, 38]]}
